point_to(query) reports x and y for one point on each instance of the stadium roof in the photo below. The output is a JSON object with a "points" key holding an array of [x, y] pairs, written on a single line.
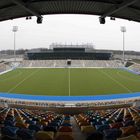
{"points": [[126, 9]]}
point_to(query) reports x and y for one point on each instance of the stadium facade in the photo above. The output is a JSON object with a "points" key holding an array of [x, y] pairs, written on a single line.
{"points": [[83, 52]]}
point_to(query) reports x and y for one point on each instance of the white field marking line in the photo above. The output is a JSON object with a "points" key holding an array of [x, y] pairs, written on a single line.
{"points": [[119, 74], [69, 79], [1, 73], [22, 81], [11, 77], [116, 81]]}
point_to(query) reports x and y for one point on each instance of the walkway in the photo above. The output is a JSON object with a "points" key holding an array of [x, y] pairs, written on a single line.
{"points": [[76, 131]]}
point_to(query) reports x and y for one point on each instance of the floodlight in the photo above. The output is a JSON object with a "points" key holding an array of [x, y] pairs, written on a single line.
{"points": [[15, 28], [123, 29]]}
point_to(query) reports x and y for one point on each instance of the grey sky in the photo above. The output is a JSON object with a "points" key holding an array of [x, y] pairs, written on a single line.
{"points": [[70, 29]]}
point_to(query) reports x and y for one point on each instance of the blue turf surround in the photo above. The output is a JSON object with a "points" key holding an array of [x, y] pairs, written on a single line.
{"points": [[69, 98]]}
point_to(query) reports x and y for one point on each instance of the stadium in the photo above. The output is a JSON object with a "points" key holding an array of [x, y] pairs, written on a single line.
{"points": [[70, 91]]}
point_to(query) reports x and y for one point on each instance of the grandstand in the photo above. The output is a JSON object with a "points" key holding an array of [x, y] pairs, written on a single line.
{"points": [[135, 67], [37, 124], [74, 63], [68, 52], [4, 66]]}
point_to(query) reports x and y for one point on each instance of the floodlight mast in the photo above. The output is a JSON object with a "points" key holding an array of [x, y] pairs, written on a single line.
{"points": [[123, 30], [15, 29]]}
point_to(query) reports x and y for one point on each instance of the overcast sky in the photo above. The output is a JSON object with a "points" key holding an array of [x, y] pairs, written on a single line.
{"points": [[70, 29]]}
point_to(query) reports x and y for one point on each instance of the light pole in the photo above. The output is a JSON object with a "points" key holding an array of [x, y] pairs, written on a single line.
{"points": [[123, 30], [15, 29]]}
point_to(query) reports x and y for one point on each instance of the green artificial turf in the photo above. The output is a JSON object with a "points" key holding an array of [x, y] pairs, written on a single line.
{"points": [[69, 81]]}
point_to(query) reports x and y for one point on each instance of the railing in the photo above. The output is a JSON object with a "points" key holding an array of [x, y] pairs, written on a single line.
{"points": [[7, 101]]}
